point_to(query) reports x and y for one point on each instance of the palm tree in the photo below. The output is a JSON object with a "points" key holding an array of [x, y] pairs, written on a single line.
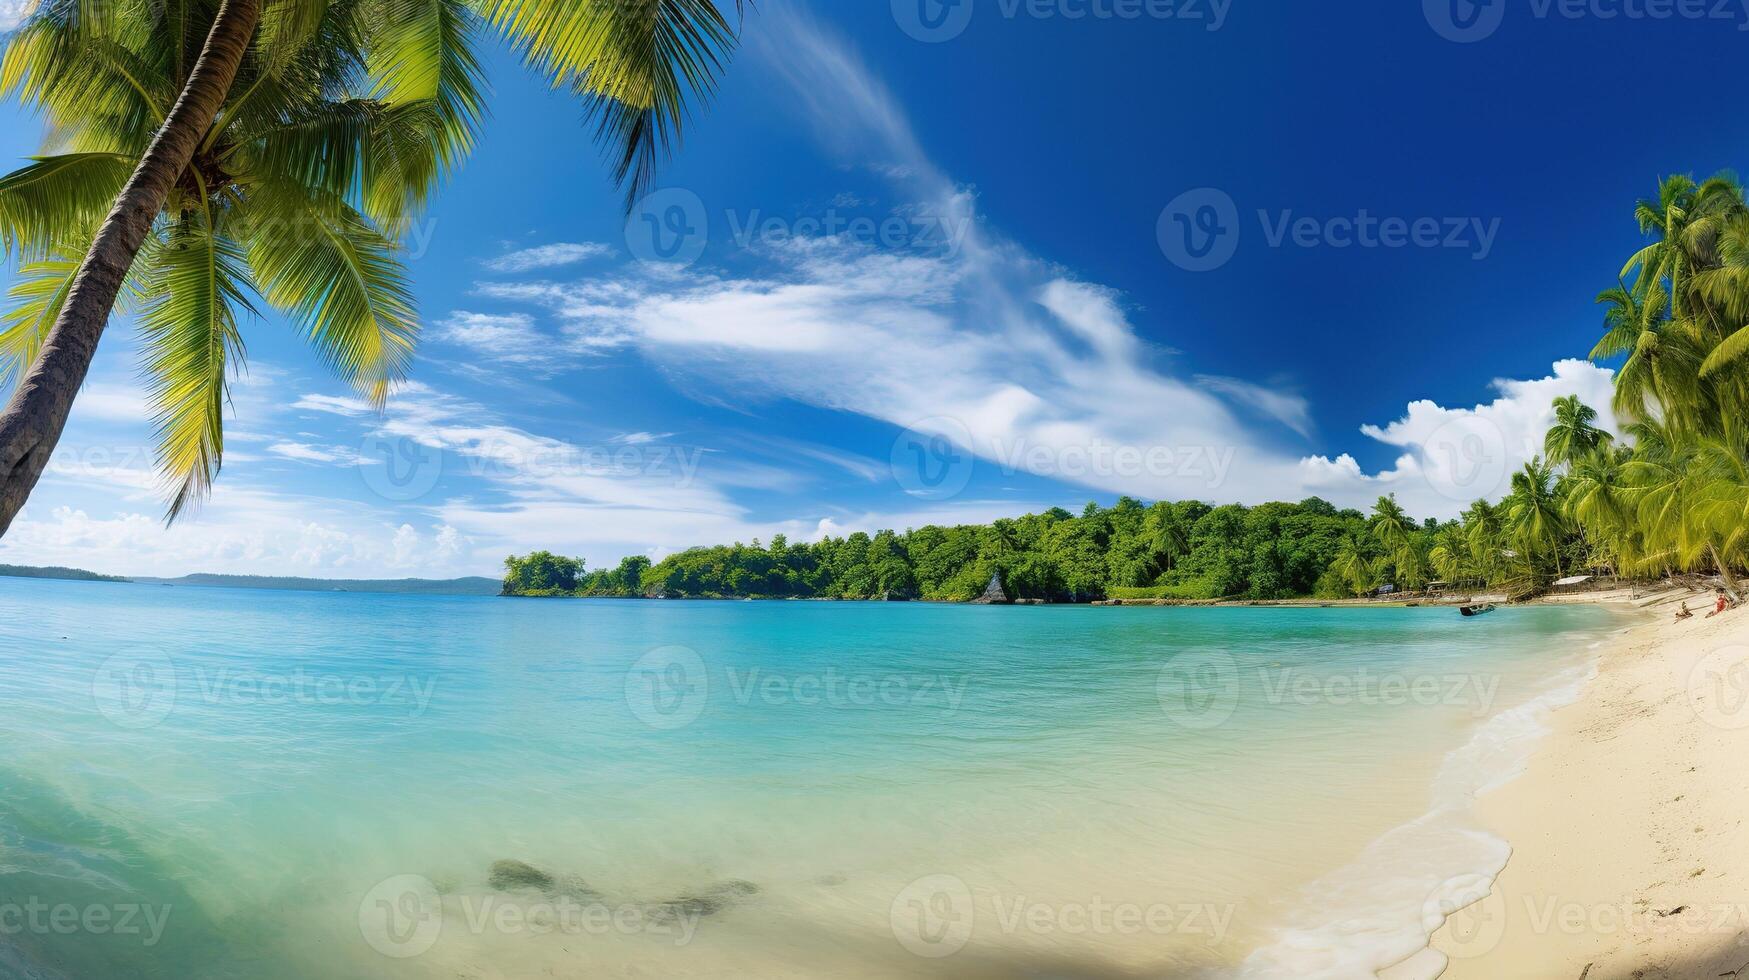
{"points": [[1360, 572], [1389, 523], [1596, 501], [207, 150], [1723, 503], [1394, 529], [1687, 219], [1575, 435], [1485, 534], [1450, 555], [1537, 522], [1166, 533], [1002, 538], [1663, 360]]}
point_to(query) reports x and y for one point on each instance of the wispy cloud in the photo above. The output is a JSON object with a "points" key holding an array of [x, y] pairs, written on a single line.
{"points": [[640, 438], [1285, 406], [987, 344], [552, 256], [504, 338], [303, 452]]}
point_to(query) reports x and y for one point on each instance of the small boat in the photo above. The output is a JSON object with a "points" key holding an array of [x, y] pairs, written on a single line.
{"points": [[1486, 607]]}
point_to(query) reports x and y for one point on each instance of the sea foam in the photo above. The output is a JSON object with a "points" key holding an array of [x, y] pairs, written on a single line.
{"points": [[1376, 915]]}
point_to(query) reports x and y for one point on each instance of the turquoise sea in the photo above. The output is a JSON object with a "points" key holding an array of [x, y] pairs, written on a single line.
{"points": [[207, 783]]}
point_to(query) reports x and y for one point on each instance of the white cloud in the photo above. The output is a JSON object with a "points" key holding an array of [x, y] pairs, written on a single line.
{"points": [[982, 341], [13, 12], [547, 257], [108, 401], [506, 338], [603, 502], [994, 347], [640, 438], [1285, 407], [303, 452], [1456, 455], [239, 532]]}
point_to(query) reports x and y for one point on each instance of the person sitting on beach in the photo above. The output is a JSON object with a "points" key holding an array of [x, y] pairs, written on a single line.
{"points": [[1684, 612], [1723, 604]]}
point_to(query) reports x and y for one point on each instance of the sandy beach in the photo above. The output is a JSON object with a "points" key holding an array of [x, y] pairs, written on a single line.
{"points": [[1629, 857]]}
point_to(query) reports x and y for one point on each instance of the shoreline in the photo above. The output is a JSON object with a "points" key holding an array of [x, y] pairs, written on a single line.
{"points": [[1627, 860], [1380, 928], [1603, 597]]}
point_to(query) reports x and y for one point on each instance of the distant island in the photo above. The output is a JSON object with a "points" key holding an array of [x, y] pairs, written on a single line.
{"points": [[474, 585], [56, 572], [406, 586]]}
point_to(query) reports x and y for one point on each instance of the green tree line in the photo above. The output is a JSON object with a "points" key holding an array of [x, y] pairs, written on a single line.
{"points": [[1182, 550]]}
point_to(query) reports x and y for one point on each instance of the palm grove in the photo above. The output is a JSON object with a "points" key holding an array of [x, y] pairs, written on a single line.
{"points": [[206, 159], [1671, 496]]}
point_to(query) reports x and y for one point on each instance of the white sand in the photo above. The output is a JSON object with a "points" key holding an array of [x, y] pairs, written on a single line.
{"points": [[1630, 859]]}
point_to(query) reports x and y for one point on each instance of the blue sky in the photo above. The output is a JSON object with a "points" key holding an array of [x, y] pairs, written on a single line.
{"points": [[911, 268]]}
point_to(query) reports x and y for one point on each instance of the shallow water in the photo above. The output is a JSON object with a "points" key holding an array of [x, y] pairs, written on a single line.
{"points": [[274, 784]]}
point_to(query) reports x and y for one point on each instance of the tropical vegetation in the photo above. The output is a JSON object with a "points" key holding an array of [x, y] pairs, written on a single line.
{"points": [[1183, 550], [207, 159]]}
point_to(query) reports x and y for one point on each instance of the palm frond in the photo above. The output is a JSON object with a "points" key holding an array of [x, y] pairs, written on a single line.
{"points": [[89, 74], [1729, 351], [636, 63], [191, 347], [422, 51], [322, 263], [57, 198], [384, 160], [38, 292]]}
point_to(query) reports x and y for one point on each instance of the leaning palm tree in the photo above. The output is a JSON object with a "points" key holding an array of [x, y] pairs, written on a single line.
{"points": [[204, 152], [1723, 504]]}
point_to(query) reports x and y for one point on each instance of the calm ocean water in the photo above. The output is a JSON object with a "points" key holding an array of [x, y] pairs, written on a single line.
{"points": [[203, 783]]}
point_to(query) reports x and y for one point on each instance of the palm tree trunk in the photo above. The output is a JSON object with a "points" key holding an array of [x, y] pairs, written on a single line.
{"points": [[32, 422], [1725, 573]]}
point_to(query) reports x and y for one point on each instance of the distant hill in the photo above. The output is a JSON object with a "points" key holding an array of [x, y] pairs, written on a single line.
{"points": [[405, 586], [71, 574]]}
